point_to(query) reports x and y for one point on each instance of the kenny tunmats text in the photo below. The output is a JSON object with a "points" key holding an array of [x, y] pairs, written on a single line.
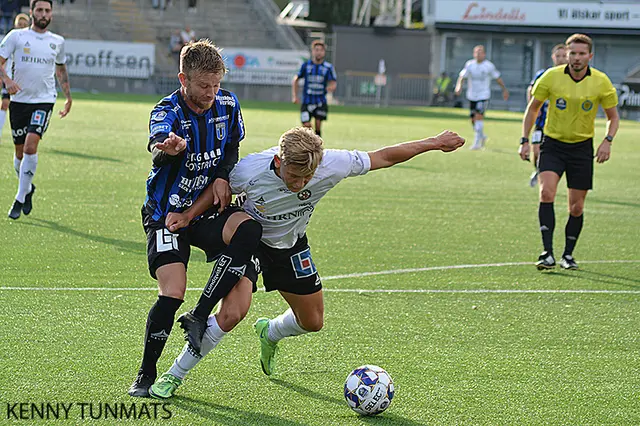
{"points": [[87, 410]]}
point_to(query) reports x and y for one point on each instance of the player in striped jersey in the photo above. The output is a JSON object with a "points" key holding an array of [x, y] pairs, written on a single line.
{"points": [[194, 137], [319, 78], [559, 57]]}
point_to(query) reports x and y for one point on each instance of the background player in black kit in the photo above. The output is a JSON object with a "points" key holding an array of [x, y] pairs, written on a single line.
{"points": [[194, 140]]}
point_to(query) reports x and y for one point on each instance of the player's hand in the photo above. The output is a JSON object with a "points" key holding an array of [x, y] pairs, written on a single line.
{"points": [[604, 152], [458, 91], [524, 151], [505, 94], [172, 145], [295, 99], [449, 141], [176, 221], [66, 109], [12, 87], [221, 193]]}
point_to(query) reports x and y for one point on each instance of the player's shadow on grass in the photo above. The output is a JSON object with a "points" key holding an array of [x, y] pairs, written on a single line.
{"points": [[583, 274], [128, 246], [386, 419], [83, 156], [222, 415]]}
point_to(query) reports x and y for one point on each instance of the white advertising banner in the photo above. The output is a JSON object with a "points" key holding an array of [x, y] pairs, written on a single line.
{"points": [[263, 66], [110, 58], [544, 14]]}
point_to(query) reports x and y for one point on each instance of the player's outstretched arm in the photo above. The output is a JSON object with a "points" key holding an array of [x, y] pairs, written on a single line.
{"points": [[63, 80], [446, 141]]}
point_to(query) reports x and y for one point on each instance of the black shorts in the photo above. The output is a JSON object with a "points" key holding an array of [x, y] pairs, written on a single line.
{"points": [[478, 107], [574, 158], [28, 118], [165, 247], [319, 111], [291, 270]]}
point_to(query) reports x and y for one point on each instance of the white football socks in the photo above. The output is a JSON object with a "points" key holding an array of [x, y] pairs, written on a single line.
{"points": [[188, 358], [16, 165], [283, 326], [27, 171]]}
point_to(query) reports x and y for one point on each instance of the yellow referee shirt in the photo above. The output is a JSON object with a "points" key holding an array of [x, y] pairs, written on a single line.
{"points": [[573, 105]]}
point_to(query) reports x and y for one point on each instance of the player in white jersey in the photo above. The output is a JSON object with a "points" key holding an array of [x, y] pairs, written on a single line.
{"points": [[479, 72], [21, 21], [38, 57], [282, 186]]}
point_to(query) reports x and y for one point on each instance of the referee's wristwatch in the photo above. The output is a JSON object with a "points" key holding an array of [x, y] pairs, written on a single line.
{"points": [[524, 140], [608, 138]]}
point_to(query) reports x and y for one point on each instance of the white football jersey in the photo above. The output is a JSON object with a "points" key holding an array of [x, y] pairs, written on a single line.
{"points": [[284, 215], [35, 56], [479, 76]]}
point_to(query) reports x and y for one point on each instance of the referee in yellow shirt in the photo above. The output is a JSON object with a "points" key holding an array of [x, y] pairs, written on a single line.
{"points": [[574, 92]]}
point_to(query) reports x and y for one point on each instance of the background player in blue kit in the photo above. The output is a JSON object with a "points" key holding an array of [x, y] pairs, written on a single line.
{"points": [[194, 137], [559, 57], [319, 78]]}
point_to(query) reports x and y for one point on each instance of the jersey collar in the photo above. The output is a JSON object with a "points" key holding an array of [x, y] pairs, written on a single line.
{"points": [[566, 71]]}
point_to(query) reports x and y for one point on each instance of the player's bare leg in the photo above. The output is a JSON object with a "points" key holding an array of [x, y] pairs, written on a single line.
{"points": [[478, 127], [318, 123], [305, 315], [548, 187]]}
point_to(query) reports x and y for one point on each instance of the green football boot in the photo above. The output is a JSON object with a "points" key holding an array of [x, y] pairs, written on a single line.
{"points": [[165, 386], [268, 349]]}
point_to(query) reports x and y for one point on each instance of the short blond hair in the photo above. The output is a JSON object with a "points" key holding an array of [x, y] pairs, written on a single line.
{"points": [[201, 56], [20, 17], [580, 38], [302, 148]]}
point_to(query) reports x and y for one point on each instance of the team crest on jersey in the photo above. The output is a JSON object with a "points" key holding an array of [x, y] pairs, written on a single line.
{"points": [[587, 105], [303, 264], [53, 46], [158, 116], [304, 195], [221, 131]]}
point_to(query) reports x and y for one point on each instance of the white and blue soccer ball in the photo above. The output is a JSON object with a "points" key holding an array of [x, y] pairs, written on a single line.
{"points": [[369, 390]]}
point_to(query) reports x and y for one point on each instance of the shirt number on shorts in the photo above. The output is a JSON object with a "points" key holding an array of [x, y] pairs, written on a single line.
{"points": [[166, 241]]}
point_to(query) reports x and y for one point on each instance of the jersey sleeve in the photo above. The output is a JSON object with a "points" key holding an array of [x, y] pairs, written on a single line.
{"points": [[465, 70], [344, 164], [541, 87], [536, 77], [8, 45], [331, 75], [237, 124], [302, 73], [163, 121], [61, 58], [609, 96], [240, 176], [494, 71]]}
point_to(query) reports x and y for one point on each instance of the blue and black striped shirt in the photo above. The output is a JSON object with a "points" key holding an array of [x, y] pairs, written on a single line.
{"points": [[213, 140], [316, 77]]}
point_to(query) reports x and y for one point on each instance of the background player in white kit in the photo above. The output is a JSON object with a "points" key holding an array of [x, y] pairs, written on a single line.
{"points": [[21, 21], [479, 72], [38, 55], [282, 186]]}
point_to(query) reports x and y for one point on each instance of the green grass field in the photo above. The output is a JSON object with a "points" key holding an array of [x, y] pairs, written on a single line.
{"points": [[494, 343]]}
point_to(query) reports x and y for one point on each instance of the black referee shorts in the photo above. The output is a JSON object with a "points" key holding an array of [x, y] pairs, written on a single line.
{"points": [[576, 159]]}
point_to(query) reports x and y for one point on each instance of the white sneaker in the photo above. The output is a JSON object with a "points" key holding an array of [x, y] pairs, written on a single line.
{"points": [[475, 147], [533, 180]]}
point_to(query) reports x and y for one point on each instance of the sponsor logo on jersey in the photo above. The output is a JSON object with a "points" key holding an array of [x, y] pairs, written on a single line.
{"points": [[587, 105], [196, 184], [177, 202], [160, 128], [226, 100], [185, 124], [308, 208], [218, 119], [561, 104], [200, 161], [26, 50], [36, 60], [159, 116], [303, 264], [304, 194]]}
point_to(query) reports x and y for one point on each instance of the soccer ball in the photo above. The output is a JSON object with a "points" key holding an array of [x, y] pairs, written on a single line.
{"points": [[368, 390]]}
